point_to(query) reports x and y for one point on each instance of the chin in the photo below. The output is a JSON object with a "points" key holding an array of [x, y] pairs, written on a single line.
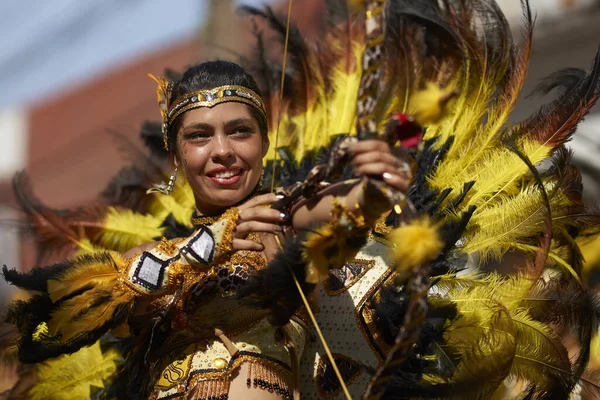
{"points": [[227, 198]]}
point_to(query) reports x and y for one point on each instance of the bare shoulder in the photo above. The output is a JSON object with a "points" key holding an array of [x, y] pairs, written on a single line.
{"points": [[139, 249]]}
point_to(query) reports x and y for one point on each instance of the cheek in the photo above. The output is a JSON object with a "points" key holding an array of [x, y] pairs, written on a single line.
{"points": [[251, 153], [183, 150], [194, 159]]}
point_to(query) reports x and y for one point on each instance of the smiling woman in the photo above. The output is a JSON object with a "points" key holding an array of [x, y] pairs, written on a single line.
{"points": [[220, 151]]}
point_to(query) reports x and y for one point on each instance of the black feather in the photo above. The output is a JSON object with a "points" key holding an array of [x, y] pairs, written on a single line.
{"points": [[274, 287]]}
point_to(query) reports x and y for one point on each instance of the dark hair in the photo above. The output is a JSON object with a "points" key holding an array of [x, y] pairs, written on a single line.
{"points": [[209, 75]]}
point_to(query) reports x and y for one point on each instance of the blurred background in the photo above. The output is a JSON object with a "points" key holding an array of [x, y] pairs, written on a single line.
{"points": [[72, 72]]}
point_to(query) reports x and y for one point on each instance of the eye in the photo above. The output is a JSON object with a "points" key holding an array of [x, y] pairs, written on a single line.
{"points": [[242, 130], [197, 135]]}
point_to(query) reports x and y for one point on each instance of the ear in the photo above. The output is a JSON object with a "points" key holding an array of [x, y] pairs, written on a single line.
{"points": [[265, 145], [176, 162]]}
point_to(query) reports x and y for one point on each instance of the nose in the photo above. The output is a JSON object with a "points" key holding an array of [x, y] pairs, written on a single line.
{"points": [[222, 149]]}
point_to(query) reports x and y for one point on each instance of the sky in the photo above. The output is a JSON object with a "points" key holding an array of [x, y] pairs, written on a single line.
{"points": [[48, 45]]}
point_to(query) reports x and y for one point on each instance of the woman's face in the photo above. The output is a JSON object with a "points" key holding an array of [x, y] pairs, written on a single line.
{"points": [[220, 150]]}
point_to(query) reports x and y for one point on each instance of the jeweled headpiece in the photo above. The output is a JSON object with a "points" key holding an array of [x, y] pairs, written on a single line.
{"points": [[201, 98]]}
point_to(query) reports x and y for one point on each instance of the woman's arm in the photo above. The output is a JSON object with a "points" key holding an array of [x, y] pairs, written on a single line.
{"points": [[136, 251]]}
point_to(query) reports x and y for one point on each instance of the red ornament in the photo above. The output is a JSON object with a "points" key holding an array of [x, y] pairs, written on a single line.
{"points": [[404, 128]]}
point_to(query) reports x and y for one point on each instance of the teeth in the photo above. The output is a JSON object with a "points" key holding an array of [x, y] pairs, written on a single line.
{"points": [[225, 174]]}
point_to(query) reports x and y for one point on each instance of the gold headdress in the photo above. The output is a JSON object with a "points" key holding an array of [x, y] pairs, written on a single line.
{"points": [[201, 98]]}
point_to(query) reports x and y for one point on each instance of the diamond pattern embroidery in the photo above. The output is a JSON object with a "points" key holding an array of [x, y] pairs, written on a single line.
{"points": [[202, 246], [150, 270]]}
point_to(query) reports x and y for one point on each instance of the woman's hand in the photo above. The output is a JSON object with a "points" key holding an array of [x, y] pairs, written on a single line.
{"points": [[375, 158], [255, 216]]}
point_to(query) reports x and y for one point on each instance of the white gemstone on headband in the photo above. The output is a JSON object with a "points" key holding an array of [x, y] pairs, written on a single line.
{"points": [[248, 96]]}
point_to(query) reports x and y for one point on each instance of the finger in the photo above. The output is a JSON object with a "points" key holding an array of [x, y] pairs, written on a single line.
{"points": [[241, 244], [374, 169], [364, 146], [260, 200], [396, 181], [262, 214], [245, 228], [374, 156]]}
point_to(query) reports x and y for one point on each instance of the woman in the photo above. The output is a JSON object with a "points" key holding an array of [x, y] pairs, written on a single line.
{"points": [[194, 338]]}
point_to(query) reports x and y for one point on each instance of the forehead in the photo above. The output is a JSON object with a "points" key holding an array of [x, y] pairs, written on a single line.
{"points": [[218, 115]]}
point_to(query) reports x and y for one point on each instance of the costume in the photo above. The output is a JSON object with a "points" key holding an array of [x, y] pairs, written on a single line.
{"points": [[399, 309]]}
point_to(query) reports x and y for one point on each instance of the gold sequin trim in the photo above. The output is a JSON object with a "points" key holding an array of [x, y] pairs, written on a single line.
{"points": [[167, 247], [368, 320], [205, 220], [231, 217], [381, 227]]}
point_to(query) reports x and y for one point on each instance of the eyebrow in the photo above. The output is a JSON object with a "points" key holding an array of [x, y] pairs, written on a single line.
{"points": [[198, 126], [208, 127], [237, 121]]}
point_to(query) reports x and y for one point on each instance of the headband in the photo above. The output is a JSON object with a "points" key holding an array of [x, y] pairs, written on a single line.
{"points": [[201, 98]]}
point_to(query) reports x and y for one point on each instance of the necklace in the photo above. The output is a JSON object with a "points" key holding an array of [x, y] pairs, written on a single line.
{"points": [[211, 219], [208, 220]]}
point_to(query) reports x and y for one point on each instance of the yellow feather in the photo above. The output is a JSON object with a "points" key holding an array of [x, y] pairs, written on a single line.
{"points": [[415, 244], [479, 138], [540, 355], [486, 345], [429, 105], [87, 247], [495, 229], [451, 281], [553, 257], [75, 317], [124, 230], [329, 113], [493, 288], [97, 276], [595, 352], [180, 203], [86, 271], [74, 376]]}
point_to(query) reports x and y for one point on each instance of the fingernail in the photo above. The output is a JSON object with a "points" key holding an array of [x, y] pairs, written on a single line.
{"points": [[387, 176], [284, 216], [280, 196], [278, 229]]}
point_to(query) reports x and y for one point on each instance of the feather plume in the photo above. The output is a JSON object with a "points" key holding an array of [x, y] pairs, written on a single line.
{"points": [[274, 288], [98, 309], [568, 306], [124, 230], [415, 244], [56, 234], [162, 95], [555, 122], [486, 347], [83, 272], [75, 376], [181, 203], [540, 356]]}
